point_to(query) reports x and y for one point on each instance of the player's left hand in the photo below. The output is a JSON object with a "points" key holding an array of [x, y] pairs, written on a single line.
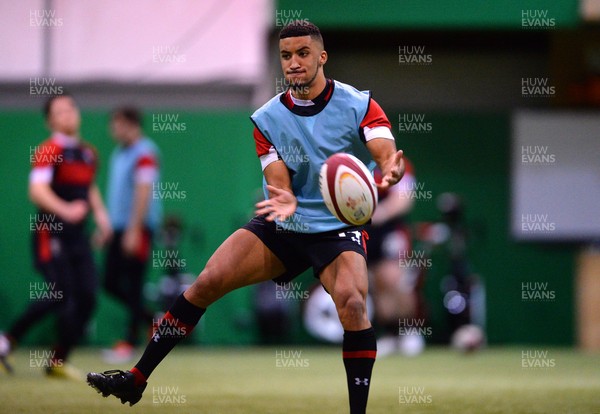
{"points": [[281, 204], [392, 171], [103, 232]]}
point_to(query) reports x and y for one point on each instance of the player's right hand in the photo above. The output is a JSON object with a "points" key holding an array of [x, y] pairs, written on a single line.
{"points": [[281, 204], [75, 211], [392, 171]]}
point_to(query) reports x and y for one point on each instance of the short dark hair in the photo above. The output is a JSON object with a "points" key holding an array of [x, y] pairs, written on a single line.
{"points": [[298, 28], [129, 113], [48, 103]]}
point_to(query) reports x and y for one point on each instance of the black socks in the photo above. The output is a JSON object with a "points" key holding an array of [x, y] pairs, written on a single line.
{"points": [[178, 323], [360, 350]]}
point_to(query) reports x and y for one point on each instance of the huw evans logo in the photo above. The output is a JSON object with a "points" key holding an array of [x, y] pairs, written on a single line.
{"points": [[413, 123], [285, 17], [45, 155], [45, 222], [537, 19], [535, 358], [168, 123], [537, 88], [44, 359], [168, 328], [290, 359], [168, 259], [168, 190], [282, 85], [45, 291], [290, 291], [44, 18], [537, 223], [293, 154], [167, 395], [537, 155], [414, 259], [413, 395], [44, 87], [293, 223], [415, 191], [167, 54], [413, 55], [413, 326], [537, 292]]}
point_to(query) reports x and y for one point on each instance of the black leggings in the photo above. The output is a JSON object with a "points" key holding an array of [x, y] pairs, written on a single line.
{"points": [[70, 292], [124, 279]]}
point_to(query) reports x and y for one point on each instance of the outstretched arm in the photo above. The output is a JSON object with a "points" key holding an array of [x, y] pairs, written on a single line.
{"points": [[281, 203]]}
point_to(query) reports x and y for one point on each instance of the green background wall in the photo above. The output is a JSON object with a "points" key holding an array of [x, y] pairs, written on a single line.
{"points": [[424, 14], [214, 162], [469, 154]]}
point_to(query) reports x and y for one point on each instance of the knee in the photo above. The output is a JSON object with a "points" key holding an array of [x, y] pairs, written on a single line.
{"points": [[351, 306], [207, 288]]}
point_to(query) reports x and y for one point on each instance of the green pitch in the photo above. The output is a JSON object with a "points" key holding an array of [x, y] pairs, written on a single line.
{"points": [[307, 380]]}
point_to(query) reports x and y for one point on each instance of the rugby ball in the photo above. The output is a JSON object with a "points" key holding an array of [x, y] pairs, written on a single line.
{"points": [[348, 189]]}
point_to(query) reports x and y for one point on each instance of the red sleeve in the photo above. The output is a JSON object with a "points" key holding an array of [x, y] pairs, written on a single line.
{"points": [[375, 117], [47, 154], [147, 160], [262, 144]]}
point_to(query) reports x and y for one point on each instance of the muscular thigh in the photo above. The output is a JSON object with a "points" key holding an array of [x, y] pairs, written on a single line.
{"points": [[347, 282], [346, 274], [241, 260]]}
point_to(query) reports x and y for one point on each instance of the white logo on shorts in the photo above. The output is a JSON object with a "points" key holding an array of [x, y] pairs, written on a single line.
{"points": [[356, 238]]}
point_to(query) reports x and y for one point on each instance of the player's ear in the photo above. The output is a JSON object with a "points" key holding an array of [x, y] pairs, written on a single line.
{"points": [[322, 58]]}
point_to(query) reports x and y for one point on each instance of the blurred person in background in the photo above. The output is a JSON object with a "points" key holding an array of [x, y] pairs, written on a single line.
{"points": [[135, 216], [61, 185], [394, 287]]}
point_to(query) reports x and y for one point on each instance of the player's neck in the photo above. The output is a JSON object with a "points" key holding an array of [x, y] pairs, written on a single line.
{"points": [[65, 139], [132, 140], [314, 90], [68, 135]]}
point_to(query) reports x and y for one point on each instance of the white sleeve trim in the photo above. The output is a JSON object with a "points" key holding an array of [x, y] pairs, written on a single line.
{"points": [[146, 175], [268, 158], [377, 132], [41, 175]]}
